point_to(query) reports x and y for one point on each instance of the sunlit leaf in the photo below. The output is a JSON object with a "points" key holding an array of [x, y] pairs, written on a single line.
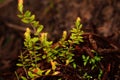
{"points": [[38, 71], [53, 64], [39, 29], [35, 39], [67, 62], [19, 64], [44, 56], [23, 78], [56, 73], [32, 18], [20, 5], [25, 20], [47, 72], [27, 13], [31, 74], [20, 16], [77, 23]]}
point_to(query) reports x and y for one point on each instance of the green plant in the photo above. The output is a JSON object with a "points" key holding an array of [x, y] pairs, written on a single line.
{"points": [[39, 51], [86, 76], [31, 56], [93, 62]]}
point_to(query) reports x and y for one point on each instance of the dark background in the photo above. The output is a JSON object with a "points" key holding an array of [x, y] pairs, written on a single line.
{"points": [[101, 17]]}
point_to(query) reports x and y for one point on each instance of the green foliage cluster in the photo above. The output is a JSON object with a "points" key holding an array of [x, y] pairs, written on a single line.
{"points": [[39, 50], [93, 62]]}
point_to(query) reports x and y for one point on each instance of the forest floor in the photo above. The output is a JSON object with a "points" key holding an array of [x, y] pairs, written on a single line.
{"points": [[100, 18]]}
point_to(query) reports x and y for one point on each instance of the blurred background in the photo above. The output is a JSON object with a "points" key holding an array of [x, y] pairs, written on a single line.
{"points": [[101, 17]]}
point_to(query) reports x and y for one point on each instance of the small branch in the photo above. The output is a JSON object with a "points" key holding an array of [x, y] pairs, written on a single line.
{"points": [[17, 27]]}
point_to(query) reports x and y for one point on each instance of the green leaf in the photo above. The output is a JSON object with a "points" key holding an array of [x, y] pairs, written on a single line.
{"points": [[86, 76], [67, 62], [100, 74], [83, 57], [19, 64], [53, 64], [77, 23], [38, 54], [37, 58], [24, 20], [23, 78], [54, 58], [81, 40], [74, 65], [35, 23], [64, 36], [27, 35], [20, 7], [33, 64], [97, 58], [49, 54], [20, 16], [47, 72], [87, 58], [32, 18], [27, 60], [62, 55], [60, 79], [93, 66], [35, 39], [56, 73], [93, 51], [31, 74], [44, 56], [27, 13], [92, 61], [39, 71], [39, 29], [37, 47], [85, 63]]}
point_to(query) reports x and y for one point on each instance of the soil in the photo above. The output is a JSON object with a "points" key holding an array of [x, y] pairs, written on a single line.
{"points": [[101, 24]]}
